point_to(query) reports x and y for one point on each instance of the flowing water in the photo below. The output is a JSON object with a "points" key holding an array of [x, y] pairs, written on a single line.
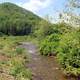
{"points": [[43, 68]]}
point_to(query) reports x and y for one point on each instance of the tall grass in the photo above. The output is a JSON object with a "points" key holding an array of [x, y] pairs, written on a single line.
{"points": [[15, 57]]}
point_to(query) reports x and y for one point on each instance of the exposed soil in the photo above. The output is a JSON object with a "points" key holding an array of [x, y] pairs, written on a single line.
{"points": [[3, 58], [3, 73]]}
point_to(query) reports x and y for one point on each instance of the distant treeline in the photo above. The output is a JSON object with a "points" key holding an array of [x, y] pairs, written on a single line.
{"points": [[15, 20]]}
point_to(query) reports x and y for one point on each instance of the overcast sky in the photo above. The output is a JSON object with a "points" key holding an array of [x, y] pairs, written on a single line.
{"points": [[41, 7]]}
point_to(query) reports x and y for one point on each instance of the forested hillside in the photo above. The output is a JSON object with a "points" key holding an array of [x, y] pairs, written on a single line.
{"points": [[15, 20]]}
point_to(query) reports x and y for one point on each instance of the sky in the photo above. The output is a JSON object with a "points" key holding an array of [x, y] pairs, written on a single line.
{"points": [[41, 7]]}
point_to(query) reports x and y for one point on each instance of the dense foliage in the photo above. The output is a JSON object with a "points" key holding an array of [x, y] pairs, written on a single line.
{"points": [[42, 29], [15, 20], [65, 42], [49, 45], [69, 53]]}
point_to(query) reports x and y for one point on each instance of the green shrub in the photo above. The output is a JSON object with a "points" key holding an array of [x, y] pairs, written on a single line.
{"points": [[46, 48], [49, 45], [69, 53], [19, 50]]}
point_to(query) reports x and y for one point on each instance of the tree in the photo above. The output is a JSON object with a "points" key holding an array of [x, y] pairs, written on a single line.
{"points": [[43, 28], [71, 13], [15, 20]]}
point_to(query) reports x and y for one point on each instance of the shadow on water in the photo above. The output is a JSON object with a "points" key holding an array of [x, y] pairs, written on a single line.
{"points": [[43, 68]]}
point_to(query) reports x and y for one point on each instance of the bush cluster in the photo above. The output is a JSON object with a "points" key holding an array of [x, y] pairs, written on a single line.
{"points": [[49, 45], [69, 53], [65, 42]]}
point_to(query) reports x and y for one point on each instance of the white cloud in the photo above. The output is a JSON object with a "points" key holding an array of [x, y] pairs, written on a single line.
{"points": [[36, 5]]}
